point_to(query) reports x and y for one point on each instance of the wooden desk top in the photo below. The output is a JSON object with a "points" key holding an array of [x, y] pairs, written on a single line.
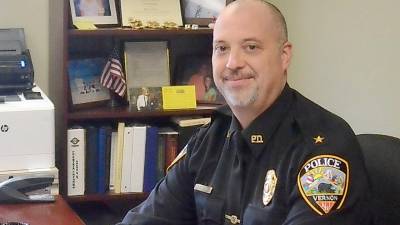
{"points": [[57, 213]]}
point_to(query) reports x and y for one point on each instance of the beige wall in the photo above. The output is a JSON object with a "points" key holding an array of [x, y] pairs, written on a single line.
{"points": [[346, 58], [345, 54], [33, 16]]}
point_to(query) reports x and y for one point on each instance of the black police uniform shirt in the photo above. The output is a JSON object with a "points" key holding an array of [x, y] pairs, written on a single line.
{"points": [[296, 164]]}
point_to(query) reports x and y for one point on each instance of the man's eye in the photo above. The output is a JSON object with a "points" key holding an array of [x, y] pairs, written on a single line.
{"points": [[251, 47], [220, 48]]}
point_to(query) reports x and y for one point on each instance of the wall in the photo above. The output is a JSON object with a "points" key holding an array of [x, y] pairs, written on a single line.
{"points": [[346, 59], [345, 54], [19, 13]]}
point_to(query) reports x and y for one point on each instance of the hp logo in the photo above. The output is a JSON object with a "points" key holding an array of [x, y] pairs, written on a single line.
{"points": [[4, 128]]}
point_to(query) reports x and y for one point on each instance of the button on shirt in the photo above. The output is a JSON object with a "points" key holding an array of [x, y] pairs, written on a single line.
{"points": [[222, 179]]}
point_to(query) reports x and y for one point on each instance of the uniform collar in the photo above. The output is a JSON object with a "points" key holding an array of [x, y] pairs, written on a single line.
{"points": [[260, 131]]}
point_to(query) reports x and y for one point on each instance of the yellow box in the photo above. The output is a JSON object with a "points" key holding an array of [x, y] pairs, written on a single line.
{"points": [[179, 97]]}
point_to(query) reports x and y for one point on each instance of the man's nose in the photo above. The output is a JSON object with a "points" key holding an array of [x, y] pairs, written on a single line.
{"points": [[235, 60]]}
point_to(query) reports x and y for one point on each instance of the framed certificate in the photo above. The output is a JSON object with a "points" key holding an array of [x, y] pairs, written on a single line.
{"points": [[202, 12], [159, 11]]}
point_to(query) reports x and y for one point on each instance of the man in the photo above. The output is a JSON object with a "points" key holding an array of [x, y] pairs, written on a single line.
{"points": [[142, 100], [278, 159]]}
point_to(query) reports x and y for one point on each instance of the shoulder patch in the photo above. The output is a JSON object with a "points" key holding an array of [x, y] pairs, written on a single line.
{"points": [[323, 183], [180, 156]]}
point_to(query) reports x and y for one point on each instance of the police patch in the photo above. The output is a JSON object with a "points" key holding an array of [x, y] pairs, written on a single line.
{"points": [[323, 182]]}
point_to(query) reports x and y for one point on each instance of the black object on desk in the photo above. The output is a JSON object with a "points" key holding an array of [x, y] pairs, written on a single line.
{"points": [[14, 190]]}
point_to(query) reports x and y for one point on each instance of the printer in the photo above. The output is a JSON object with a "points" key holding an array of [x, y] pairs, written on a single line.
{"points": [[26, 113], [16, 68]]}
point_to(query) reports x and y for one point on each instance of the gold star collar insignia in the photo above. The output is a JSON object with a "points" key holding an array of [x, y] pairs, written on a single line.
{"points": [[318, 140]]}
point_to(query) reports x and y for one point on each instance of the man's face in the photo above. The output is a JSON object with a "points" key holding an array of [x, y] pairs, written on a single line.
{"points": [[249, 59]]}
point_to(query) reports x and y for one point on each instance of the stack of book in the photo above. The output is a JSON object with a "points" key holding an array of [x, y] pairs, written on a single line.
{"points": [[131, 158]]}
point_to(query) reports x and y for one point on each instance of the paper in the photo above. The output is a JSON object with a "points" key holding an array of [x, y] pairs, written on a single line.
{"points": [[85, 25], [179, 97], [160, 11]]}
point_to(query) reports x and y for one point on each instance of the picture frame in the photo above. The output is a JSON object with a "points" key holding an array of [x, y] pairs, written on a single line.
{"points": [[99, 12], [84, 82], [145, 99], [157, 11], [202, 12], [197, 70]]}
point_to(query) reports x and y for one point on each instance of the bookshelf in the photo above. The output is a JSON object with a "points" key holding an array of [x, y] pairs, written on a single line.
{"points": [[83, 43]]}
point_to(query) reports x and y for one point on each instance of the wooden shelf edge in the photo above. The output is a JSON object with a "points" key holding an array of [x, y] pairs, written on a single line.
{"points": [[127, 113], [139, 33], [106, 197]]}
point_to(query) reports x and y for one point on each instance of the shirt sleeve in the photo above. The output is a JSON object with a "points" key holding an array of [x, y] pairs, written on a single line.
{"points": [[353, 210], [170, 202]]}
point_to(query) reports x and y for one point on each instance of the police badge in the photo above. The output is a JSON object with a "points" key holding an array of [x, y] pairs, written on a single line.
{"points": [[323, 182], [269, 186]]}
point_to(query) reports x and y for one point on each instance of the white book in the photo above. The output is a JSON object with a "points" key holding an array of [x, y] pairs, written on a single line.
{"points": [[113, 158], [138, 157], [127, 150], [76, 161]]}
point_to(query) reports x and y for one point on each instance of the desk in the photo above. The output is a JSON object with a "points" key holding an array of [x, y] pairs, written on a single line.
{"points": [[58, 213]]}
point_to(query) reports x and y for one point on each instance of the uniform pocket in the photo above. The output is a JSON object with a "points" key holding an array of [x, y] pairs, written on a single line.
{"points": [[255, 215], [209, 209]]}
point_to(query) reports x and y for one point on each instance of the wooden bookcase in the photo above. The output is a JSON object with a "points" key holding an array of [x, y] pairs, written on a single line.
{"points": [[81, 43]]}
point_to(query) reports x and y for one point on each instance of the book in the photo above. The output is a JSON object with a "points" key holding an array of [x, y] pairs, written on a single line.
{"points": [[138, 157], [76, 145], [118, 157], [161, 153], [191, 121], [146, 65], [113, 155], [103, 157], [171, 148], [127, 159], [151, 158], [91, 160]]}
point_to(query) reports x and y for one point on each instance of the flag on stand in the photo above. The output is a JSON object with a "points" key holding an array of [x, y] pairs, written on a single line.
{"points": [[113, 77]]}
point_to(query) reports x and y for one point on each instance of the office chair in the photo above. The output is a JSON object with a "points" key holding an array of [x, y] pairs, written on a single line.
{"points": [[382, 160]]}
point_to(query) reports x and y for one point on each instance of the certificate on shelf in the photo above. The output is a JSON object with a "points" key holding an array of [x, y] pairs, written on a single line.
{"points": [[146, 65], [160, 11]]}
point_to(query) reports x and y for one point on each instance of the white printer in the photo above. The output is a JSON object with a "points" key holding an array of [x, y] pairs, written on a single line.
{"points": [[27, 132], [26, 114]]}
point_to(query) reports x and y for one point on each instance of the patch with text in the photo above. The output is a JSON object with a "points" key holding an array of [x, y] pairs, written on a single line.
{"points": [[323, 183]]}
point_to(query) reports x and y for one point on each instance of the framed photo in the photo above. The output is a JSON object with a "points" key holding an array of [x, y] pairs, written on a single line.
{"points": [[197, 70], [99, 12], [84, 82], [145, 98], [202, 12]]}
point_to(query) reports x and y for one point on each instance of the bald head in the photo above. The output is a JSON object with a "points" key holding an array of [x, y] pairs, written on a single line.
{"points": [[278, 20]]}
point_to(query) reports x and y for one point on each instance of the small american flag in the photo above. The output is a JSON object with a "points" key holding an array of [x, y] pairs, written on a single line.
{"points": [[113, 77]]}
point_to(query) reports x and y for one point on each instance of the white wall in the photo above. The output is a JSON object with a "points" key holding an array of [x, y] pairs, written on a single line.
{"points": [[33, 16], [346, 58]]}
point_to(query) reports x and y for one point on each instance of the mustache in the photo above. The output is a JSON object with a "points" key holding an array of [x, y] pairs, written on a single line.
{"points": [[237, 75]]}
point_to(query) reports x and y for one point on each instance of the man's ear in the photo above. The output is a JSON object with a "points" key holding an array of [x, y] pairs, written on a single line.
{"points": [[286, 54]]}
